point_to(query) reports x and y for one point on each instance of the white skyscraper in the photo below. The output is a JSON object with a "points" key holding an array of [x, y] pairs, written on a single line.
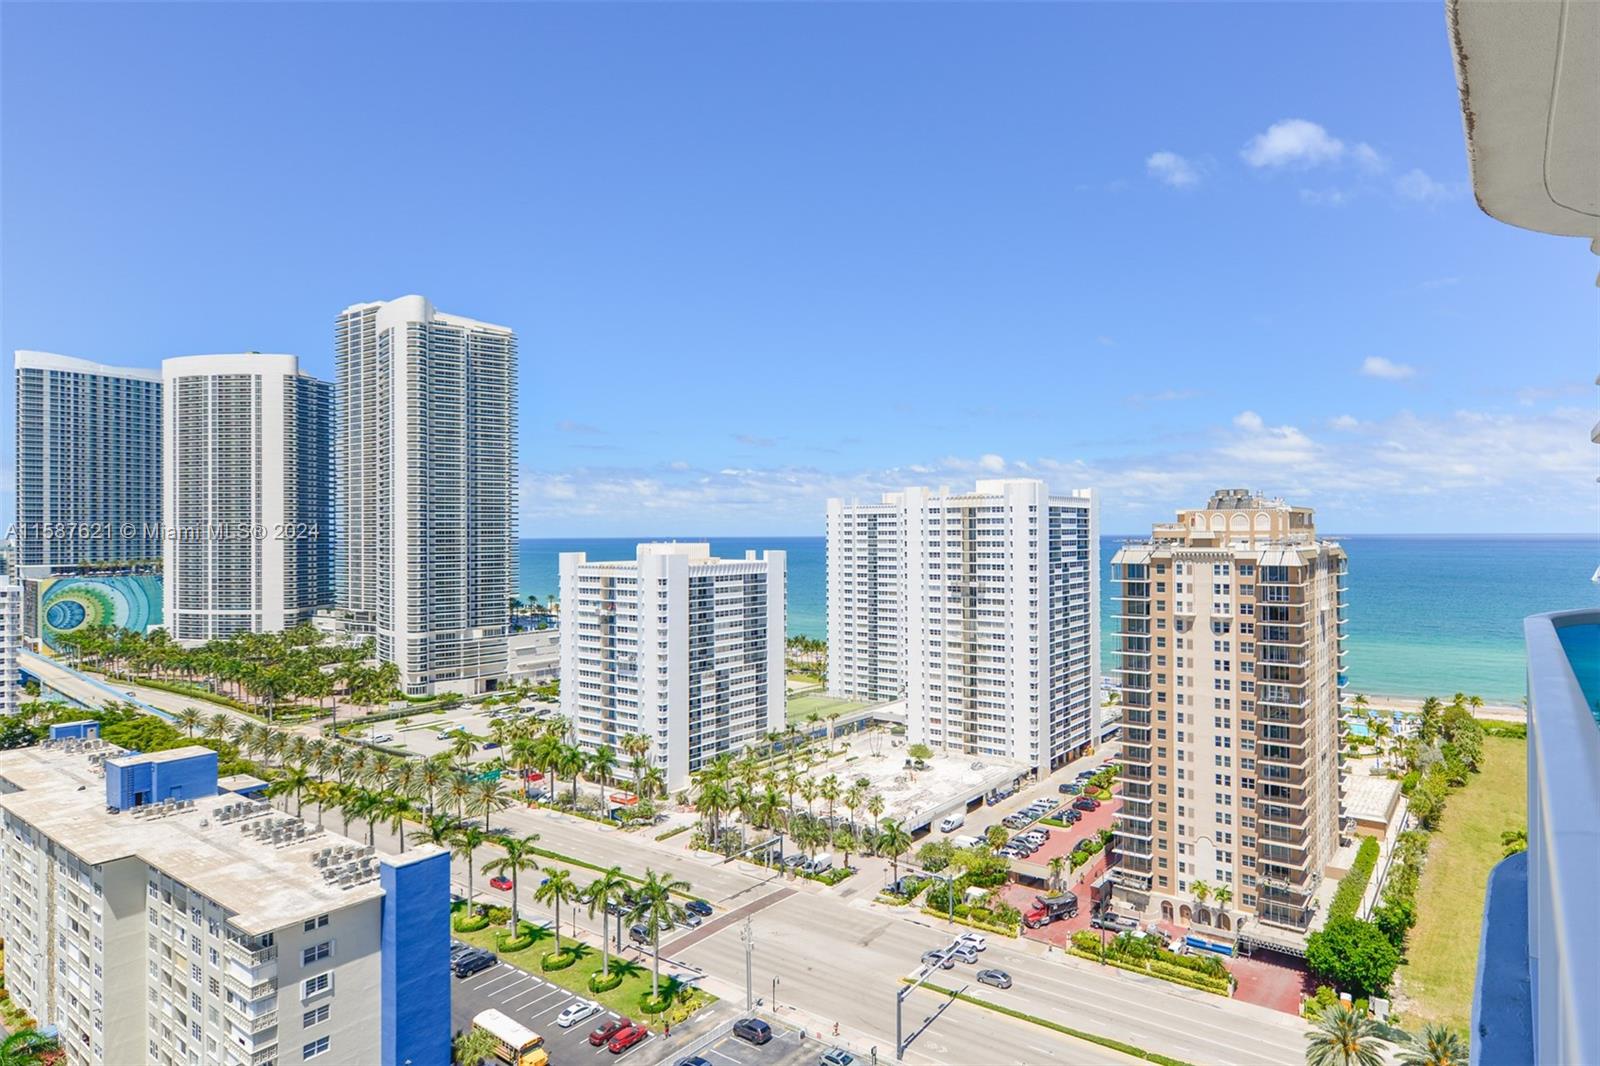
{"points": [[866, 584], [10, 639], [246, 487], [682, 647], [427, 412], [997, 610], [88, 462]]}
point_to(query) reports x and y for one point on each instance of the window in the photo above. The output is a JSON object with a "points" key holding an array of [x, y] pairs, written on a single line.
{"points": [[319, 922], [313, 986], [315, 1048], [316, 953], [314, 1017]]}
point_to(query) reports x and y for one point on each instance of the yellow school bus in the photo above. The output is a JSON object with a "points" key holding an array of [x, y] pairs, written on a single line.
{"points": [[515, 1043]]}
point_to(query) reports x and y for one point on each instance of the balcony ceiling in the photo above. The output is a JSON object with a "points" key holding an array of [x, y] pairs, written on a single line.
{"points": [[1529, 74]]}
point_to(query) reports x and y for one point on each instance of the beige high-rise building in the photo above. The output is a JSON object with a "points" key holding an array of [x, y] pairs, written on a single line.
{"points": [[1229, 637]]}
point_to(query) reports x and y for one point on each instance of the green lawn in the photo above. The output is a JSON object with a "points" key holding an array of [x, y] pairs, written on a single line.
{"points": [[624, 999], [802, 707], [1442, 955]]}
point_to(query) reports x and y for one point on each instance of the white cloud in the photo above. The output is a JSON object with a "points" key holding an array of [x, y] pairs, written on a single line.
{"points": [[1324, 197], [994, 464], [1417, 185], [1344, 422], [1170, 168], [1248, 420], [1294, 142], [1376, 366], [1368, 159]]}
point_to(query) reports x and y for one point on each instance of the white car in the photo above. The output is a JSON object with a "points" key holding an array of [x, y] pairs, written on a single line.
{"points": [[576, 1012], [978, 941], [383, 738]]}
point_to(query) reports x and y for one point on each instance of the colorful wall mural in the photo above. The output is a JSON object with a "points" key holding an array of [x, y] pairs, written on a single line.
{"points": [[127, 601]]}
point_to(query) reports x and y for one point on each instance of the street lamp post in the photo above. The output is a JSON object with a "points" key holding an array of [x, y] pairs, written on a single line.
{"points": [[774, 993]]}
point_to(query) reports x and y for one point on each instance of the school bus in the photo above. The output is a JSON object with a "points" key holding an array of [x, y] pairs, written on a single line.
{"points": [[515, 1043]]}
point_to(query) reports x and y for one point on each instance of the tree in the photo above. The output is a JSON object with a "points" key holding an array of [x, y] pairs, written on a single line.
{"points": [[487, 798], [572, 763], [517, 860], [465, 843], [893, 842], [437, 830], [602, 764], [604, 893], [362, 806], [1201, 890], [996, 836], [1057, 866], [474, 1046], [1343, 1036], [655, 908], [396, 808], [556, 889], [1352, 955], [1435, 1045], [1395, 917], [25, 1047], [875, 807], [919, 753], [191, 719]]}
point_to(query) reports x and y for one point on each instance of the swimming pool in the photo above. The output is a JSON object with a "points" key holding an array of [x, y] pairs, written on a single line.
{"points": [[1582, 645]]}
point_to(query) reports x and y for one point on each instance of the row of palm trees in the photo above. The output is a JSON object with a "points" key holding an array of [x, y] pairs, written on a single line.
{"points": [[1347, 1036]]}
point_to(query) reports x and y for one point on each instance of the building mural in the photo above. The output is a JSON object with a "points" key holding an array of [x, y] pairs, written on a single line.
{"points": [[66, 604]]}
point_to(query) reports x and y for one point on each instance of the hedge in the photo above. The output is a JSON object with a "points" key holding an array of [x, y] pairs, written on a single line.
{"points": [[558, 960], [1093, 1038], [964, 916], [674, 832], [1347, 899], [599, 982], [1147, 967]]}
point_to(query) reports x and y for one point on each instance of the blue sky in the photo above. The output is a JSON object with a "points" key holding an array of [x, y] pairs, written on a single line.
{"points": [[760, 255]]}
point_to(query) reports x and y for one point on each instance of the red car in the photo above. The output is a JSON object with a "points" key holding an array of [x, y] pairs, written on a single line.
{"points": [[608, 1030], [503, 883], [626, 1038]]}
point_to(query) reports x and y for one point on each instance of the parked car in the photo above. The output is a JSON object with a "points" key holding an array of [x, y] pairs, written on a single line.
{"points": [[698, 906], [608, 1029], [474, 961], [694, 1060], [1086, 803], [796, 859], [639, 933], [626, 1038], [1071, 788], [383, 738], [752, 1029], [577, 1011], [500, 881], [978, 941], [938, 958], [1073, 816], [837, 1056], [1009, 852], [691, 919], [998, 978]]}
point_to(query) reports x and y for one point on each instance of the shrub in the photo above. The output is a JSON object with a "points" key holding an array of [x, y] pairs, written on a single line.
{"points": [[1347, 900], [599, 982], [654, 1005], [1324, 998], [558, 960], [469, 923]]}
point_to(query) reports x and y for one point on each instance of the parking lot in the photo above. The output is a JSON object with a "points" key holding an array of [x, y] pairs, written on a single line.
{"points": [[536, 1003], [786, 1048]]}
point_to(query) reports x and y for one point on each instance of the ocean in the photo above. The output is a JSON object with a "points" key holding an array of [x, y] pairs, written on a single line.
{"points": [[1429, 615]]}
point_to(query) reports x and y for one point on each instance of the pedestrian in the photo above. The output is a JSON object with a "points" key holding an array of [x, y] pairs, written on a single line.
{"points": [[666, 1030]]}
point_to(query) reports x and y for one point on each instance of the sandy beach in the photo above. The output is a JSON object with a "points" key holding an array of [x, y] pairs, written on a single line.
{"points": [[1499, 712]]}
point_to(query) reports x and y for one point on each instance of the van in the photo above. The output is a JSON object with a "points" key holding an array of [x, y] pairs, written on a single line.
{"points": [[965, 842], [821, 864], [952, 822]]}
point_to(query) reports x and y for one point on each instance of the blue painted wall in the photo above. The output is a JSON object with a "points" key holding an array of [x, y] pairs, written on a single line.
{"points": [[143, 781], [416, 960], [75, 730]]}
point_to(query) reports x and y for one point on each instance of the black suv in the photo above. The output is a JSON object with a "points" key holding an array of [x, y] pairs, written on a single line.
{"points": [[470, 962], [698, 906], [752, 1029]]}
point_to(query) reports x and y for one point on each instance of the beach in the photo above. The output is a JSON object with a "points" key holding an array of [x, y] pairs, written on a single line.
{"points": [[1498, 712]]}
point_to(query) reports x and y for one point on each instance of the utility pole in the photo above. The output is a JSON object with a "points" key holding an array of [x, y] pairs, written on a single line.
{"points": [[749, 938]]}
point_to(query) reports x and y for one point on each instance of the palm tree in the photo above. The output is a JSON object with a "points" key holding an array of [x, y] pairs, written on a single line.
{"points": [[712, 798], [893, 842], [25, 1047], [828, 789], [190, 718], [487, 798], [437, 830], [603, 893], [394, 809], [572, 763], [653, 782], [1222, 895], [875, 807], [1058, 866], [474, 1046], [1343, 1036], [216, 727], [518, 858], [1201, 890], [465, 842], [363, 806], [461, 749], [293, 782], [1435, 1045], [459, 789], [602, 764], [656, 908], [556, 889]]}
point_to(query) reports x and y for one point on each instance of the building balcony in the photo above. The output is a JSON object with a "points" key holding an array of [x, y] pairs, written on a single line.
{"points": [[1538, 972], [258, 1022]]}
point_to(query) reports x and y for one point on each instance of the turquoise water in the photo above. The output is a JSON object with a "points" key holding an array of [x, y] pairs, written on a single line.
{"points": [[1582, 645], [1428, 615]]}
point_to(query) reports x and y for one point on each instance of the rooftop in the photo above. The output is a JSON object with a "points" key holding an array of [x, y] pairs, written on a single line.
{"points": [[265, 885]]}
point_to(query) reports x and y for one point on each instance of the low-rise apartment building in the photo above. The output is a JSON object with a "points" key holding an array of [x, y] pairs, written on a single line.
{"points": [[152, 919], [1229, 645], [677, 645]]}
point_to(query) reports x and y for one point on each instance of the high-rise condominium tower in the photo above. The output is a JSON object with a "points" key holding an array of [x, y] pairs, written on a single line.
{"points": [[991, 603], [866, 583], [677, 646], [10, 639], [427, 414], [1229, 637], [248, 545], [88, 462]]}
